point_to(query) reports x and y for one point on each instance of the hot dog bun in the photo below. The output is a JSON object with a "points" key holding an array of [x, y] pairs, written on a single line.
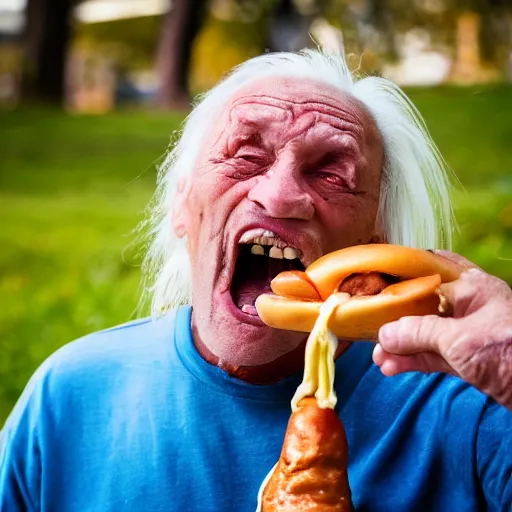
{"points": [[294, 306]]}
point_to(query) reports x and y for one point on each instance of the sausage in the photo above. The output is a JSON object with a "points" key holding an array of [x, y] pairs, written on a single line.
{"points": [[370, 283], [311, 475]]}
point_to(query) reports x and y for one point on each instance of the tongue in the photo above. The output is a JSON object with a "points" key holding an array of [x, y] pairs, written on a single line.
{"points": [[252, 278], [249, 293], [250, 287]]}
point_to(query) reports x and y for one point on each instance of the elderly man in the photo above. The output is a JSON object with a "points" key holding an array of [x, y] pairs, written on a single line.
{"points": [[284, 161]]}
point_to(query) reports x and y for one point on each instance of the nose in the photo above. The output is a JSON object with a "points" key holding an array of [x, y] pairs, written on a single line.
{"points": [[282, 195]]}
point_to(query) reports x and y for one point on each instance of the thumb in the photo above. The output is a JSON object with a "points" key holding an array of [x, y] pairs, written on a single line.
{"points": [[456, 258], [414, 334]]}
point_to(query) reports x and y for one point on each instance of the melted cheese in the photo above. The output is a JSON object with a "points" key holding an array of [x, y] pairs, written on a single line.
{"points": [[318, 380]]}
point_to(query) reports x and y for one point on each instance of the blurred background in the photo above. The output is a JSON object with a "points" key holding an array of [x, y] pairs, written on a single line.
{"points": [[91, 92]]}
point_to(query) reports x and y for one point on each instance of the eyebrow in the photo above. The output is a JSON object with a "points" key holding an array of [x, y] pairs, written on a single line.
{"points": [[345, 145]]}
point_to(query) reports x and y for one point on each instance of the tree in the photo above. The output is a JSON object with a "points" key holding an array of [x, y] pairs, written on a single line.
{"points": [[288, 28], [180, 27], [46, 39]]}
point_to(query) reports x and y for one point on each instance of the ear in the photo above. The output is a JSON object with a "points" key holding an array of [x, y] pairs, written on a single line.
{"points": [[179, 210]]}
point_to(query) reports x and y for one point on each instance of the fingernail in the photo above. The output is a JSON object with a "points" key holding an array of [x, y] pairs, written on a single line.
{"points": [[377, 354], [378, 350]]}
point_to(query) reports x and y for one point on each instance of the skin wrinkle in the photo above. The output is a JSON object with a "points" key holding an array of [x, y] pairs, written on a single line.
{"points": [[344, 143], [313, 105], [334, 118], [482, 365], [283, 198]]}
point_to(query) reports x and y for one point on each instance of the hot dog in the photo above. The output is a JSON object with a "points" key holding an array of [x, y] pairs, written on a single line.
{"points": [[381, 283], [311, 474], [347, 294]]}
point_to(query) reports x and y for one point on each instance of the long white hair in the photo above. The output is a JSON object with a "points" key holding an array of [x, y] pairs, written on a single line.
{"points": [[414, 210]]}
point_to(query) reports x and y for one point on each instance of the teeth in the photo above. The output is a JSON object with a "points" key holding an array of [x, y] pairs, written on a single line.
{"points": [[257, 250], [269, 241], [275, 252], [290, 253], [252, 235], [262, 238]]}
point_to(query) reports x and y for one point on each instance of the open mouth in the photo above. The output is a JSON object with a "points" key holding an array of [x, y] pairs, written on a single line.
{"points": [[261, 256]]}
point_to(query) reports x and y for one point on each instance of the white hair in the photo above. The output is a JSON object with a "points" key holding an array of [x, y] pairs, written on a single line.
{"points": [[414, 209]]}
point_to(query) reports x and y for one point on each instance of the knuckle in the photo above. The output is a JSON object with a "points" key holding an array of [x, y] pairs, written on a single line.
{"points": [[406, 326], [427, 330]]}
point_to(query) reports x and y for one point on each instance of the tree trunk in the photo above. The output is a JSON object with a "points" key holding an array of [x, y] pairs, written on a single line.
{"points": [[46, 40], [288, 29], [468, 67], [180, 26]]}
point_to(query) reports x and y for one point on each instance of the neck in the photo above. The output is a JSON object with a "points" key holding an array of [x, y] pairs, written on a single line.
{"points": [[284, 366]]}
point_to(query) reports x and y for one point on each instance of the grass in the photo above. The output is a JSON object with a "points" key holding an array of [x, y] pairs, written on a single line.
{"points": [[473, 129], [72, 188]]}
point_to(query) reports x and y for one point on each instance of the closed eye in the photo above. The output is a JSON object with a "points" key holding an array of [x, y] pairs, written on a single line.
{"points": [[252, 157], [248, 162]]}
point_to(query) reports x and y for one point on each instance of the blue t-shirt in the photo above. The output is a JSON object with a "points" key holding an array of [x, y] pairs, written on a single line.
{"points": [[133, 419]]}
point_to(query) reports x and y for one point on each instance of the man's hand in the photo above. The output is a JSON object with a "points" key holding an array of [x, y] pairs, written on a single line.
{"points": [[474, 344]]}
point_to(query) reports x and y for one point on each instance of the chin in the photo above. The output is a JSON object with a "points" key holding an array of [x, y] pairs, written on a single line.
{"points": [[242, 341]]}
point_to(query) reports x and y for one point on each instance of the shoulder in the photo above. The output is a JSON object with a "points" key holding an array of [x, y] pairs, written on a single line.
{"points": [[96, 368], [138, 340], [134, 350]]}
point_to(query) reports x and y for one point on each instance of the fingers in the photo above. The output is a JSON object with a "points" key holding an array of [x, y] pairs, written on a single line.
{"points": [[460, 294], [414, 334], [473, 290], [425, 362], [456, 258]]}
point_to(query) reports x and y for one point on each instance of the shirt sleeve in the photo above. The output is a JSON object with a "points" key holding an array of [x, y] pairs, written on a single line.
{"points": [[494, 456], [20, 461]]}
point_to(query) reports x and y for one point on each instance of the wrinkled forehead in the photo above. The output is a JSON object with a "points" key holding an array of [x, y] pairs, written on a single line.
{"points": [[295, 102]]}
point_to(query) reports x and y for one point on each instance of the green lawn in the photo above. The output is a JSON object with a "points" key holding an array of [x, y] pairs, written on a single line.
{"points": [[72, 188]]}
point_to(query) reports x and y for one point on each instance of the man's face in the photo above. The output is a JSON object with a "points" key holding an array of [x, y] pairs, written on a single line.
{"points": [[290, 164]]}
